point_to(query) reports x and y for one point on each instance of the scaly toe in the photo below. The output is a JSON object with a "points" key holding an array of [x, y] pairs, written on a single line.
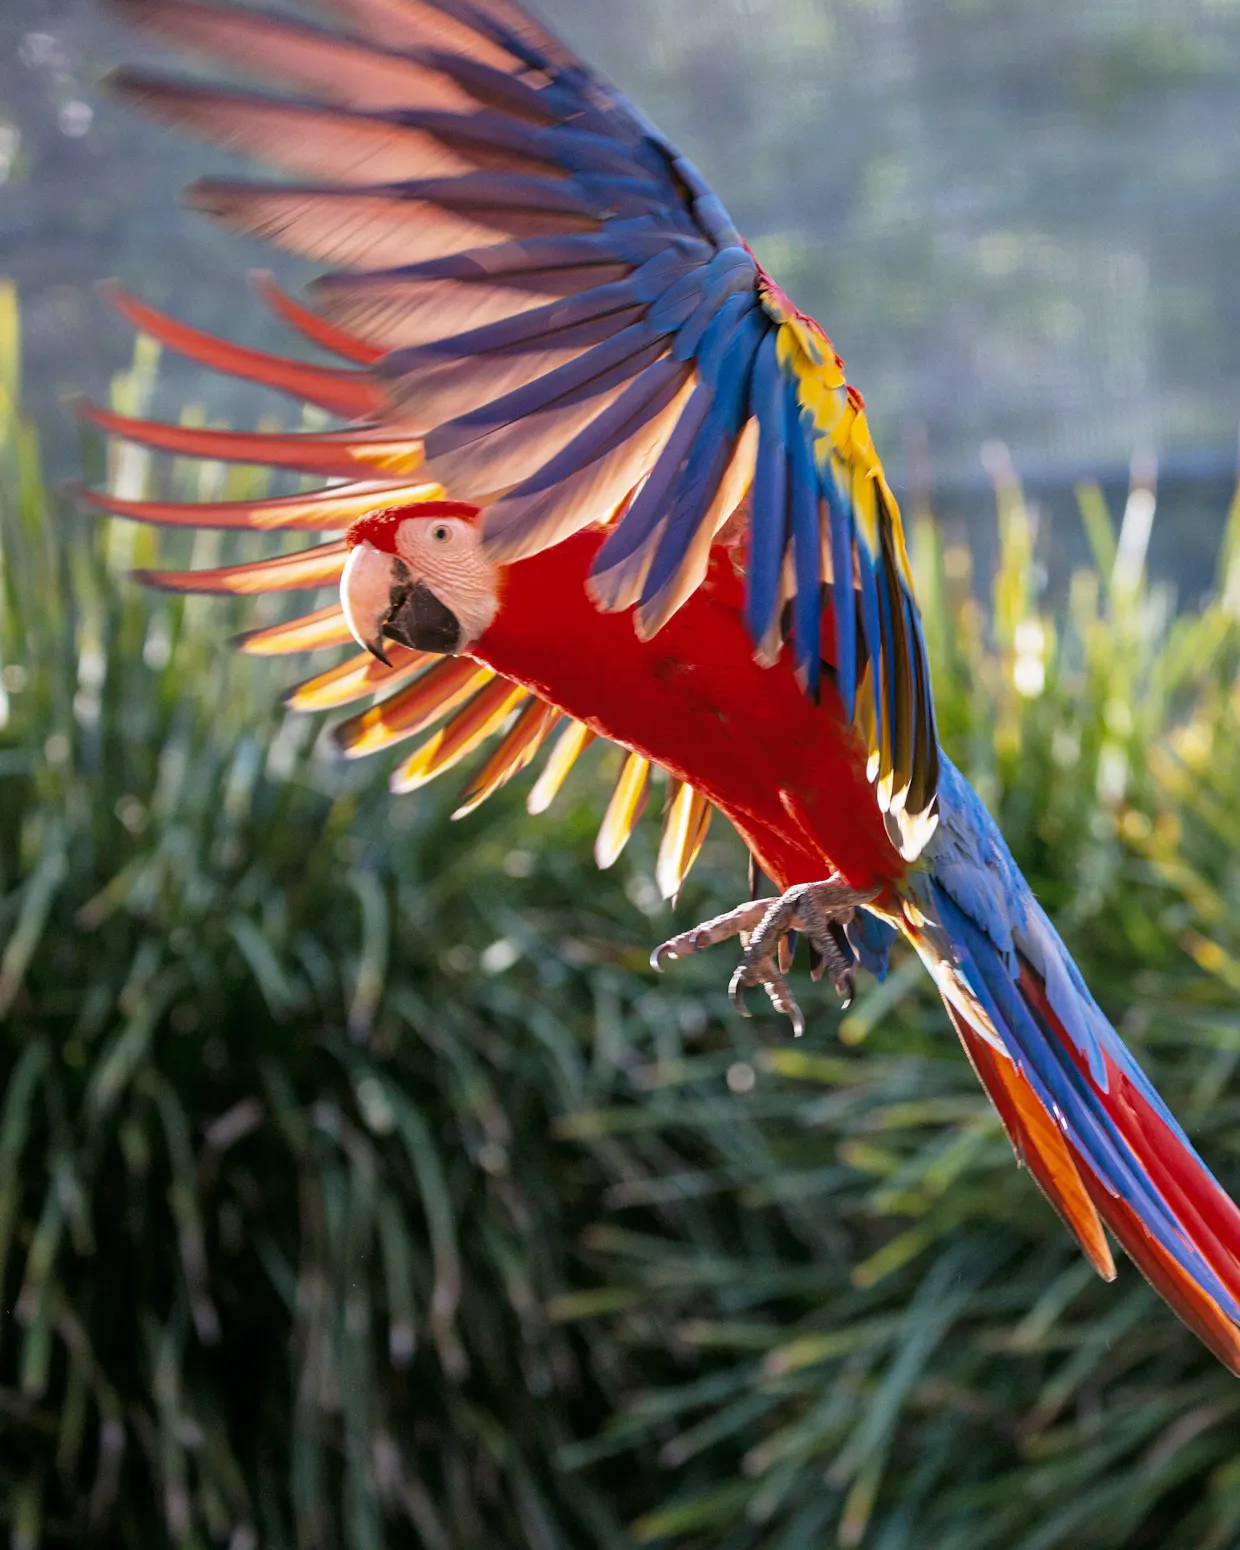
{"points": [[734, 923], [767, 929]]}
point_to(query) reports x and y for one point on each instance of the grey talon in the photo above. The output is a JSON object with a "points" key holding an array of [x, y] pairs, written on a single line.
{"points": [[818, 910]]}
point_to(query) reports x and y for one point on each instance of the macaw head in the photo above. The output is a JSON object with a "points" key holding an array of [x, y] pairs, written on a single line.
{"points": [[417, 575]]}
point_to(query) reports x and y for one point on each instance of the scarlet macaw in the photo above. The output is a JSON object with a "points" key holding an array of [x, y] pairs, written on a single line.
{"points": [[668, 527]]}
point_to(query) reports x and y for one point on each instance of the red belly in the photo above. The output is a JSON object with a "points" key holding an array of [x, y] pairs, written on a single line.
{"points": [[788, 773]]}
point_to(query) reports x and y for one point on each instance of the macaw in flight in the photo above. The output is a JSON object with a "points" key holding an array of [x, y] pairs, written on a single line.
{"points": [[598, 477]]}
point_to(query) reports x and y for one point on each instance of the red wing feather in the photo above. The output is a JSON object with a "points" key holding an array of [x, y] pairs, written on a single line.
{"points": [[1210, 1218], [350, 394], [339, 454], [317, 567], [439, 690], [327, 335], [356, 678], [317, 631], [335, 143], [414, 25], [317, 511]]}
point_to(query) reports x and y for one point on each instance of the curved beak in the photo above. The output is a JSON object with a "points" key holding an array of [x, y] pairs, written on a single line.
{"points": [[366, 596], [382, 601]]}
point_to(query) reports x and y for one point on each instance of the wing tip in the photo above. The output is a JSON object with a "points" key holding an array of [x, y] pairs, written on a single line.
{"points": [[250, 641], [125, 81], [346, 738], [216, 196]]}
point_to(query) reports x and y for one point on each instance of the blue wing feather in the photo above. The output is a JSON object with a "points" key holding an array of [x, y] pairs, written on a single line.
{"points": [[647, 395], [805, 526], [490, 191], [587, 375], [649, 509], [679, 301], [871, 626], [884, 679], [842, 595], [726, 355], [562, 175], [705, 467], [727, 273], [545, 327], [736, 336], [768, 522]]}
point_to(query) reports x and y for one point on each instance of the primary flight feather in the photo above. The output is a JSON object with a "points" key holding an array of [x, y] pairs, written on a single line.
{"points": [[600, 478]]}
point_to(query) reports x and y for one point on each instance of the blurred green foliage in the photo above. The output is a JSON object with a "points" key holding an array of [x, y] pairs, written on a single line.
{"points": [[359, 1186]]}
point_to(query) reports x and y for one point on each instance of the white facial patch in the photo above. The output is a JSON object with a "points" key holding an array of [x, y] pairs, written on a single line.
{"points": [[446, 554]]}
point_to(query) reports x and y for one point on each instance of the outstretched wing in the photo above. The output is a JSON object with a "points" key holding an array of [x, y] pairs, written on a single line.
{"points": [[549, 305]]}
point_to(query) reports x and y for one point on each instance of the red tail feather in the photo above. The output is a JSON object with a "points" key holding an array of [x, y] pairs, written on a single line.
{"points": [[1210, 1219], [1194, 1305], [1039, 1144]]}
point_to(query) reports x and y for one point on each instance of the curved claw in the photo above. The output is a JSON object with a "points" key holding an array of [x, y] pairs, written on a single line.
{"points": [[767, 929], [675, 948], [796, 1017], [736, 989], [782, 999]]}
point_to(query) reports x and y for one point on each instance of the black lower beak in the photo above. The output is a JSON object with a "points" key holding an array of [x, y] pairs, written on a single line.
{"points": [[418, 619]]}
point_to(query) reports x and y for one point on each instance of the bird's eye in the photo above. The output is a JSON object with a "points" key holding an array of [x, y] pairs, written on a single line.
{"points": [[442, 533]]}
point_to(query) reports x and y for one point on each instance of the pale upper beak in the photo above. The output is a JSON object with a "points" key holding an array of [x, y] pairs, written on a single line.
{"points": [[381, 601], [366, 596]]}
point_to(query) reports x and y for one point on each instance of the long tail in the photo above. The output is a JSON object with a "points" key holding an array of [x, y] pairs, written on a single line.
{"points": [[1080, 1112]]}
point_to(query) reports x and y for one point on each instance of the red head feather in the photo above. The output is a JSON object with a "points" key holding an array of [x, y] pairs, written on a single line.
{"points": [[379, 527]]}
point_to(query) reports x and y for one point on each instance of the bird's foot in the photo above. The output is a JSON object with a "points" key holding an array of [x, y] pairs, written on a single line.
{"points": [[819, 911]]}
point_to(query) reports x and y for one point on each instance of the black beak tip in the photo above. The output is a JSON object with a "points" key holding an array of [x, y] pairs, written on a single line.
{"points": [[375, 647]]}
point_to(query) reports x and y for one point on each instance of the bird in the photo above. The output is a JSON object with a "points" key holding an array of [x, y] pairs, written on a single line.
{"points": [[594, 476]]}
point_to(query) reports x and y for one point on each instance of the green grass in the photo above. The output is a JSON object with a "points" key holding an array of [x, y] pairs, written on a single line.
{"points": [[322, 1224]]}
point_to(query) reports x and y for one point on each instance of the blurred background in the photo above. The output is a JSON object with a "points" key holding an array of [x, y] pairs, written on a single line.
{"points": [[358, 1183]]}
